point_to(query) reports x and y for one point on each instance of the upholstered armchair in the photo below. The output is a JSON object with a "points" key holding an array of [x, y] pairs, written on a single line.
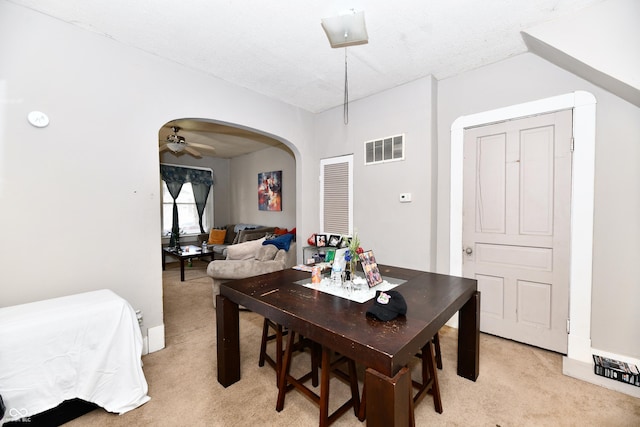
{"points": [[250, 259]]}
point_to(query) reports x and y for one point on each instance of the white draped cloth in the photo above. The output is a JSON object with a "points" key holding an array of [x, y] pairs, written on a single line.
{"points": [[85, 346]]}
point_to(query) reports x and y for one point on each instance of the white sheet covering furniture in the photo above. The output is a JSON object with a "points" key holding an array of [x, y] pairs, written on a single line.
{"points": [[85, 346]]}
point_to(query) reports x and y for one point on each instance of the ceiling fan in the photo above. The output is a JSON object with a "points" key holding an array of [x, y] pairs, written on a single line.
{"points": [[177, 144]]}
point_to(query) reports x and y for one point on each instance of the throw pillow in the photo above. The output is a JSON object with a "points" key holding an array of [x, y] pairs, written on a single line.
{"points": [[246, 250], [266, 253], [280, 231], [216, 237], [231, 234], [241, 236], [280, 242]]}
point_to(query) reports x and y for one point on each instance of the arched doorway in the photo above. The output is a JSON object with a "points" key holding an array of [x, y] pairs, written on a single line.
{"points": [[235, 154]]}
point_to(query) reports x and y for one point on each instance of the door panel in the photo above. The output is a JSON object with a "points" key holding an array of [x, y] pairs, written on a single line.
{"points": [[492, 291], [490, 215], [534, 303], [536, 182], [539, 259], [517, 181]]}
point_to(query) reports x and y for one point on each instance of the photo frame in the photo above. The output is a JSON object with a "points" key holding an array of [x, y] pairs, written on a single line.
{"points": [[370, 267], [321, 240], [345, 241], [339, 260], [334, 240], [329, 255]]}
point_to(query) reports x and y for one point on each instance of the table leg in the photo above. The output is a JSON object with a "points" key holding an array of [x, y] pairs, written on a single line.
{"points": [[181, 269], [388, 399], [469, 338], [228, 340], [164, 259]]}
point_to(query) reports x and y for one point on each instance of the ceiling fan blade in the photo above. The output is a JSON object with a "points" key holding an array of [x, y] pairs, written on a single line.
{"points": [[204, 147], [192, 151]]}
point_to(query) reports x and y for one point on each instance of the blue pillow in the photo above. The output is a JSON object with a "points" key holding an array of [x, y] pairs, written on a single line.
{"points": [[280, 242]]}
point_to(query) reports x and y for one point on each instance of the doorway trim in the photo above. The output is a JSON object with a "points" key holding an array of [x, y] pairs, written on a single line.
{"points": [[582, 198]]}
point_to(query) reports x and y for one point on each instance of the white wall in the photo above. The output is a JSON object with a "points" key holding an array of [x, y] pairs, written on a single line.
{"points": [[399, 233], [617, 194], [243, 188], [90, 207]]}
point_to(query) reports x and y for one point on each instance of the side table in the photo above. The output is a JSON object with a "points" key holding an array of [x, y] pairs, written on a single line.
{"points": [[186, 253]]}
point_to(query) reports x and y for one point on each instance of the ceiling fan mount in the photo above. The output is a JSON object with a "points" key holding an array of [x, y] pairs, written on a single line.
{"points": [[175, 142]]}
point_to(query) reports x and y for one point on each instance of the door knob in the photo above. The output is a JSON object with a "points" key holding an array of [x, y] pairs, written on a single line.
{"points": [[468, 251]]}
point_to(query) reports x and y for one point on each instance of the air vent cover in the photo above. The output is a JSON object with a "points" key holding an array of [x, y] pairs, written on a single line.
{"points": [[389, 149]]}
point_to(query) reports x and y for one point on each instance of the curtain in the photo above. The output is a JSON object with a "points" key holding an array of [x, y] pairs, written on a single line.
{"points": [[200, 193], [201, 181]]}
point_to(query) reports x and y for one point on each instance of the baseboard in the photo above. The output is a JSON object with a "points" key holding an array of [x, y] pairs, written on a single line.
{"points": [[584, 371], [154, 340]]}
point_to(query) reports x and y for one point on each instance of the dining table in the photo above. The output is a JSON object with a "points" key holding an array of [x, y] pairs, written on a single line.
{"points": [[341, 324]]}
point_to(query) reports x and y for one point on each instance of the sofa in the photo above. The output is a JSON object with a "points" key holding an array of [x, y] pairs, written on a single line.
{"points": [[221, 238], [251, 258]]}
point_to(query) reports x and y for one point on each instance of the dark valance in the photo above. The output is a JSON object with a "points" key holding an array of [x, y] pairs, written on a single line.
{"points": [[180, 175]]}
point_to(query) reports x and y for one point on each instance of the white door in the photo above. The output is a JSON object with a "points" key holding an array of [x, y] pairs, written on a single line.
{"points": [[516, 224]]}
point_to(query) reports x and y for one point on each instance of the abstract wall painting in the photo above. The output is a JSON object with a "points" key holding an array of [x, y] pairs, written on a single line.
{"points": [[270, 191]]}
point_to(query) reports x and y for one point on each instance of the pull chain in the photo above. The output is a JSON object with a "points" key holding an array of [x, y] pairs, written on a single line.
{"points": [[345, 104]]}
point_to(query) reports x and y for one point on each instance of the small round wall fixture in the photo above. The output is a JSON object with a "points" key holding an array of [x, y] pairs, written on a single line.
{"points": [[38, 119]]}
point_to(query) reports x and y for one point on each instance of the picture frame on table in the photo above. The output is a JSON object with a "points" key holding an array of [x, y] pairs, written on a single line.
{"points": [[370, 268], [345, 241], [334, 240], [321, 240]]}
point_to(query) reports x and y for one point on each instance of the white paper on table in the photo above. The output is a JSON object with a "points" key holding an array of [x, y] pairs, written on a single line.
{"points": [[364, 294]]}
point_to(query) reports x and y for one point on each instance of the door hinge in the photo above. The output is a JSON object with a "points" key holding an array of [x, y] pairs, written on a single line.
{"points": [[568, 326], [573, 144]]}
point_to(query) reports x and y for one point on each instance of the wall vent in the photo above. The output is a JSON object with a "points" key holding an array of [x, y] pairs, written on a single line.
{"points": [[389, 149]]}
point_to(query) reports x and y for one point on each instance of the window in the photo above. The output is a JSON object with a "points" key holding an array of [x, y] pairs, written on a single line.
{"points": [[187, 212], [336, 195], [384, 150], [188, 218]]}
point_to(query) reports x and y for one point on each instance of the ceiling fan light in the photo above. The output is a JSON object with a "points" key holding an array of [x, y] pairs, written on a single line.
{"points": [[346, 30], [176, 147]]}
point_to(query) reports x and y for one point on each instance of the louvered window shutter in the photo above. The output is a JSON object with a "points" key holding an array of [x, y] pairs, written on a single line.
{"points": [[336, 195]]}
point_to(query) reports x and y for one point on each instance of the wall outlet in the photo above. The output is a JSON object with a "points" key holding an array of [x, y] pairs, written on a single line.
{"points": [[405, 197]]}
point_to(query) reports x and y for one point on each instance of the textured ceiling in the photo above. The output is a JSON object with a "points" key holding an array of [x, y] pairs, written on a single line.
{"points": [[279, 49]]}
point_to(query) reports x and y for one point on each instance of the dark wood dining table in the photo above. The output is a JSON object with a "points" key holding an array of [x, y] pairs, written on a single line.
{"points": [[384, 348]]}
